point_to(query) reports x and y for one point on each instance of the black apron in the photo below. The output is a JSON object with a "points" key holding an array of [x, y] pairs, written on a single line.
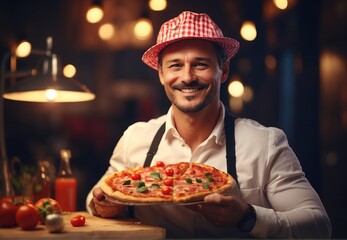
{"points": [[229, 129], [229, 123]]}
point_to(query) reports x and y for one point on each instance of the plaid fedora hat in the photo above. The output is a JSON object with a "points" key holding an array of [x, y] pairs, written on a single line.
{"points": [[189, 25]]}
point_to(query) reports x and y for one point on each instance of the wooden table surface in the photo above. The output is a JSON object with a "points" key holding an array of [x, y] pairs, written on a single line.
{"points": [[95, 228]]}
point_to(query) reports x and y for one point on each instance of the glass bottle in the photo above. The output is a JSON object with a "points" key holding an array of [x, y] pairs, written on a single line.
{"points": [[6, 189], [65, 183], [42, 183]]}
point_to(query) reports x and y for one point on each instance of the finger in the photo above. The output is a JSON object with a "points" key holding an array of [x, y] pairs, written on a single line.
{"points": [[105, 203], [216, 198], [92, 207], [109, 211], [98, 194], [195, 207]]}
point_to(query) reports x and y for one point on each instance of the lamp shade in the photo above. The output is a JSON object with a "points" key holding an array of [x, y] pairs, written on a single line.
{"points": [[49, 85], [44, 89]]}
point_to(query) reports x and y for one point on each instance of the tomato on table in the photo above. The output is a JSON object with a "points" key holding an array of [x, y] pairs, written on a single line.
{"points": [[47, 206], [48, 202], [27, 216], [78, 221], [7, 213]]}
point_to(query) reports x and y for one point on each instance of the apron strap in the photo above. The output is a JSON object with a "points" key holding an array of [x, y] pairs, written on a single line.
{"points": [[229, 130], [154, 146], [230, 146]]}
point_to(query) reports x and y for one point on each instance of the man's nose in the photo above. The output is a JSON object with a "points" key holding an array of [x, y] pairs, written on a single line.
{"points": [[188, 74]]}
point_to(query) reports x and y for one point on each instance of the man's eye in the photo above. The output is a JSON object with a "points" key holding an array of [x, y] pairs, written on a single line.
{"points": [[201, 65], [175, 65]]}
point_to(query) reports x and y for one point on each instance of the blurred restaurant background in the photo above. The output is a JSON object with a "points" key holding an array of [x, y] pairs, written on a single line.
{"points": [[290, 72]]}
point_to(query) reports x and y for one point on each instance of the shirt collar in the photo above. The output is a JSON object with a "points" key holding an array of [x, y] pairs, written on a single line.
{"points": [[217, 133], [170, 128]]}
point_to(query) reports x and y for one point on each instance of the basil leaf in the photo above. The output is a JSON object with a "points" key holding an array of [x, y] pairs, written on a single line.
{"points": [[206, 186], [127, 182], [155, 185], [198, 180], [156, 175], [210, 179], [140, 184], [141, 189], [189, 180], [207, 175]]}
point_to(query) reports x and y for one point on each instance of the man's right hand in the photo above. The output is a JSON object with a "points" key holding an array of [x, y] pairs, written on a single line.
{"points": [[100, 206]]}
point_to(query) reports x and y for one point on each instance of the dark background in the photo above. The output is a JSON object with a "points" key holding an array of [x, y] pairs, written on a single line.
{"points": [[305, 94]]}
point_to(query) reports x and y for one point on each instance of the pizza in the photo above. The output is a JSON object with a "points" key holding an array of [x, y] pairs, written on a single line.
{"points": [[179, 183]]}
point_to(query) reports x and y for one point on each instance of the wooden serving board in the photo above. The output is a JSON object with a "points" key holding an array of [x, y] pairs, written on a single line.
{"points": [[95, 228]]}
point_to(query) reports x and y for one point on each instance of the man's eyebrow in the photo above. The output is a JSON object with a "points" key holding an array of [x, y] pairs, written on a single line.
{"points": [[170, 61], [175, 60]]}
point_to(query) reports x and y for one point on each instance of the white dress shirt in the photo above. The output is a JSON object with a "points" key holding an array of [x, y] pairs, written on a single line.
{"points": [[269, 174]]}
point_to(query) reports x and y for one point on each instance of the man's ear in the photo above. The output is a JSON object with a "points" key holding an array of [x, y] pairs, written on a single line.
{"points": [[225, 73]]}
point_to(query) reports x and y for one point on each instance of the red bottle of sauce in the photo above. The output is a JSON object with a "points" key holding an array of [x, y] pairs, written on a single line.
{"points": [[65, 183]]}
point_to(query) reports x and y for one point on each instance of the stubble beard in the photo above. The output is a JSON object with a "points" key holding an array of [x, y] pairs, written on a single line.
{"points": [[190, 107]]}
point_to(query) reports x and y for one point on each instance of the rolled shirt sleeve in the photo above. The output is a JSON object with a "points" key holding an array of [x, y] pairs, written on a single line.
{"points": [[294, 209]]}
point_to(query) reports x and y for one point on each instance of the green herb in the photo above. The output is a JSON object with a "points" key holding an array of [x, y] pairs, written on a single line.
{"points": [[208, 176], [198, 180], [155, 185], [210, 179], [141, 189], [126, 182], [189, 180], [140, 184], [156, 175], [206, 186]]}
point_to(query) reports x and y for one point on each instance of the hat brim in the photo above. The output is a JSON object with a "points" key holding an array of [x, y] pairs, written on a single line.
{"points": [[150, 57]]}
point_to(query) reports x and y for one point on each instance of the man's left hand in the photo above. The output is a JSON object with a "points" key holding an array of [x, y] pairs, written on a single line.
{"points": [[222, 210]]}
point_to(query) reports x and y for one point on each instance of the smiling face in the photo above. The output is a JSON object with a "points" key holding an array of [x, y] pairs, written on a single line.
{"points": [[191, 75]]}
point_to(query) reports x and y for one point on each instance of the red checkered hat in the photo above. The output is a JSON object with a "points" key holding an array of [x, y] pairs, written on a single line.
{"points": [[189, 25]]}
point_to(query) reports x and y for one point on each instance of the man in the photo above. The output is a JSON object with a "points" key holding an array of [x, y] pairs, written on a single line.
{"points": [[274, 199]]}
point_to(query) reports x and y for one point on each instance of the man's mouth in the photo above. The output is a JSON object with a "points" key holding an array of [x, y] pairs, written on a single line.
{"points": [[190, 90]]}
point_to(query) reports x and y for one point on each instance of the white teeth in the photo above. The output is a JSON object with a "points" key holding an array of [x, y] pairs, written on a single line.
{"points": [[189, 90]]}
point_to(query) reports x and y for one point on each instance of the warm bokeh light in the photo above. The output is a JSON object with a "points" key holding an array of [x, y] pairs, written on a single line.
{"points": [[270, 62], [235, 88], [248, 31], [106, 31], [51, 95], [143, 29], [69, 71], [247, 95], [281, 4], [157, 5], [23, 49], [94, 14], [236, 104]]}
